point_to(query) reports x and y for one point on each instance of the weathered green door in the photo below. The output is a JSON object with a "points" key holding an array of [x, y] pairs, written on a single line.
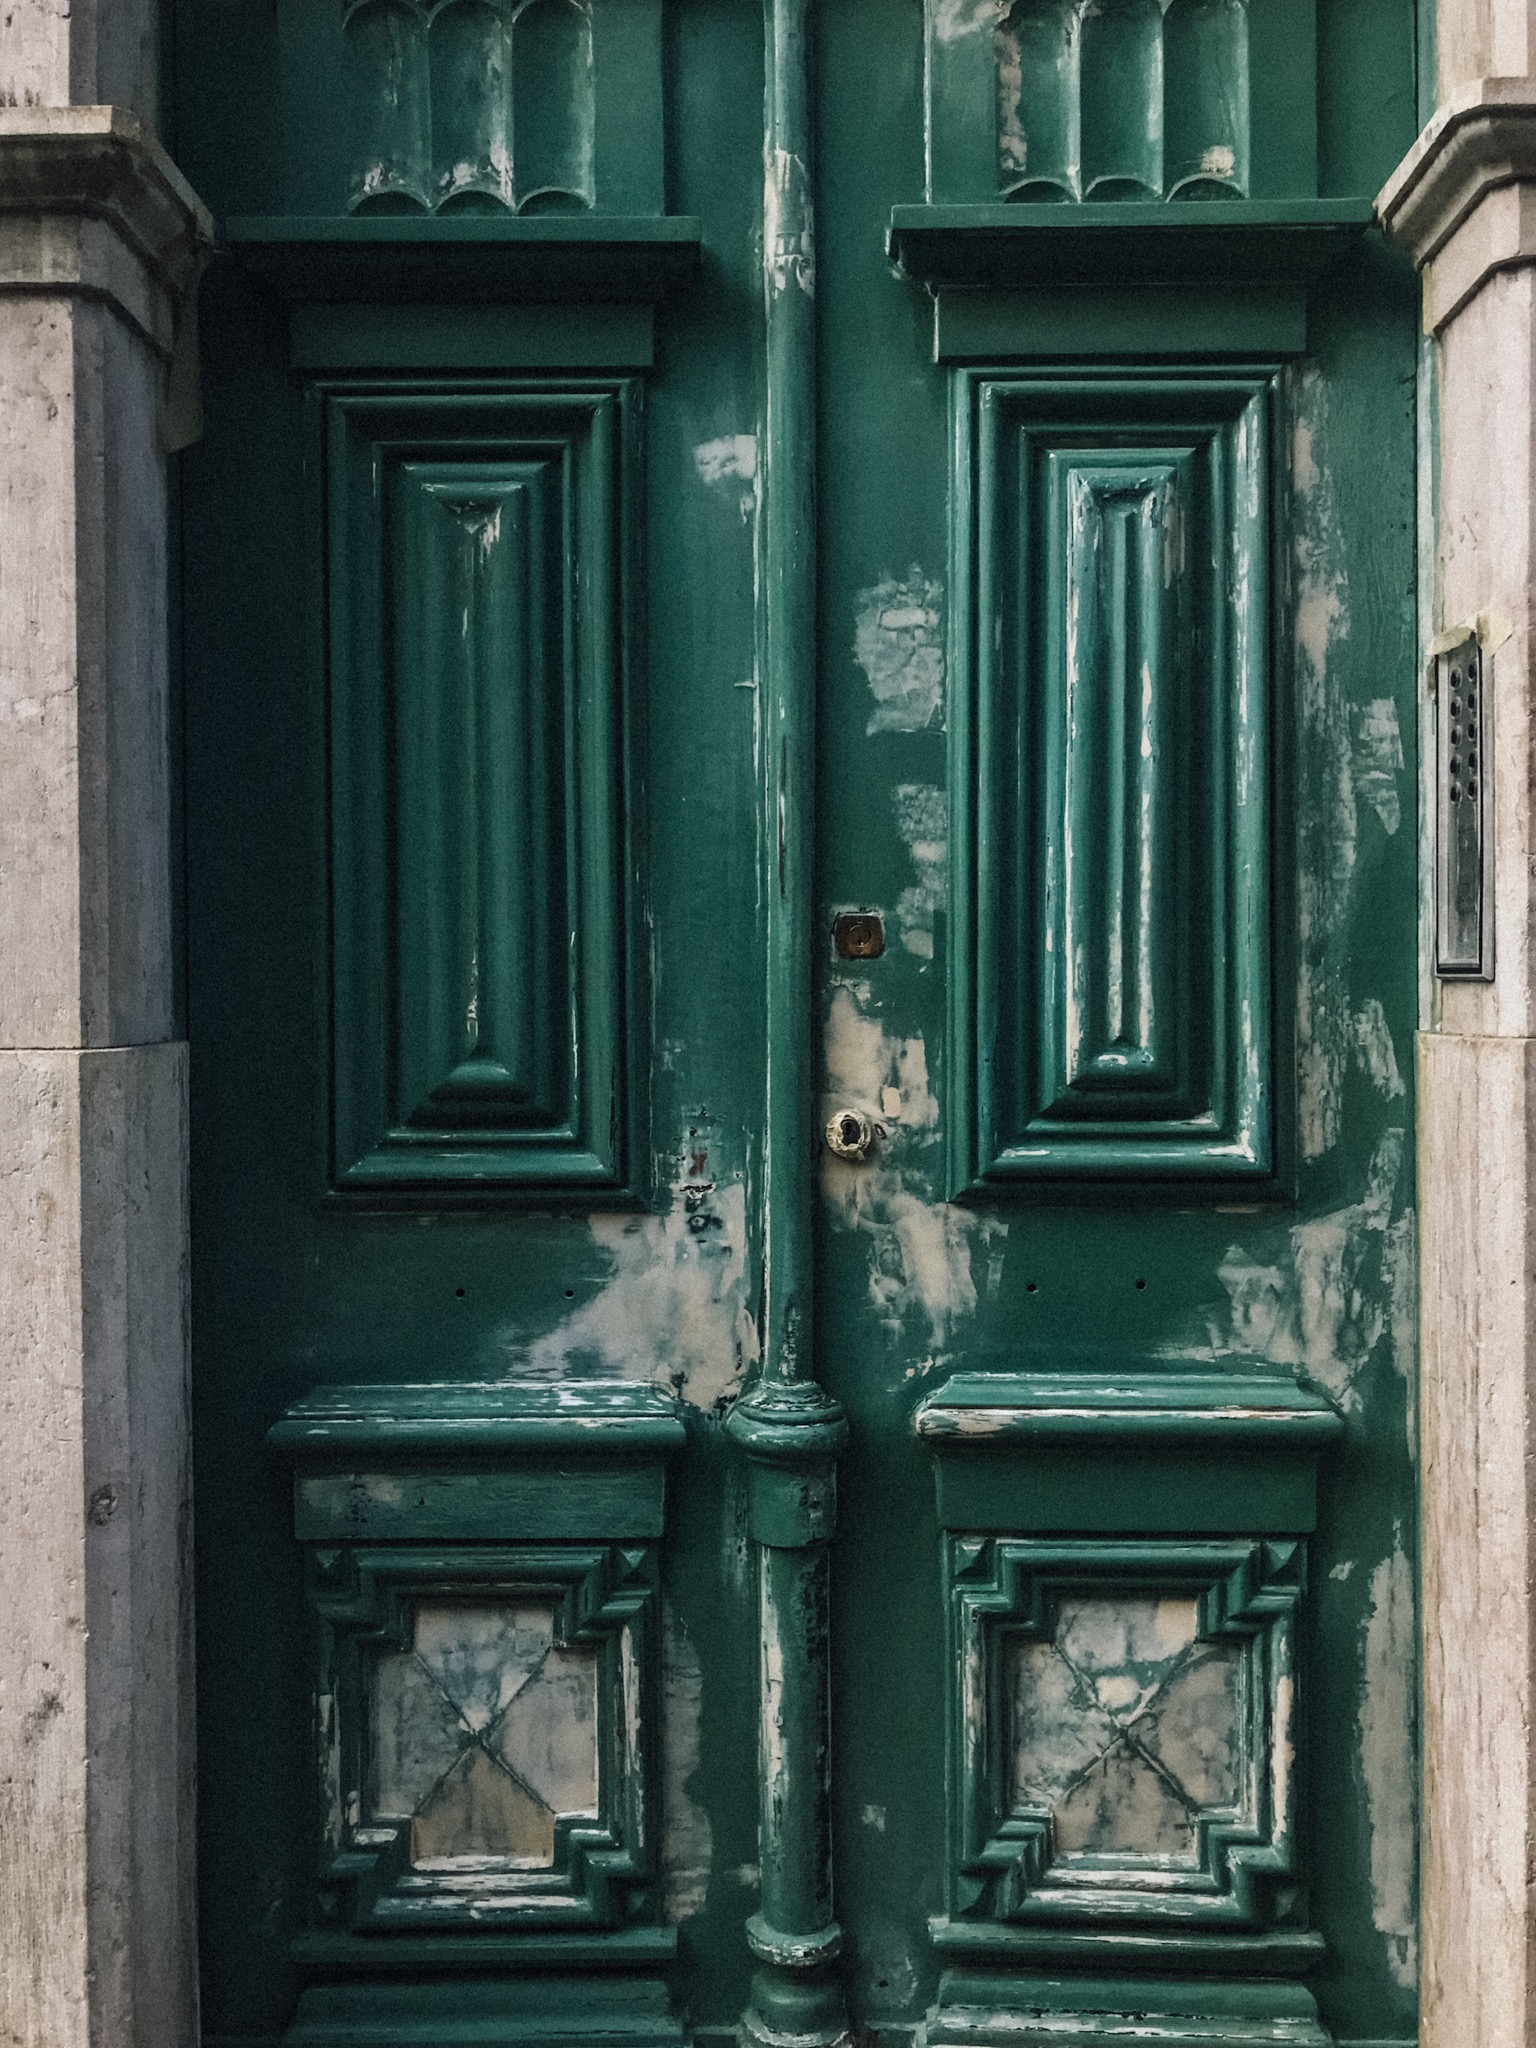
{"points": [[801, 906]]}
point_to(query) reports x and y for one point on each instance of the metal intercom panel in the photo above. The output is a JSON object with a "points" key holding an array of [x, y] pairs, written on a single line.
{"points": [[1463, 816]]}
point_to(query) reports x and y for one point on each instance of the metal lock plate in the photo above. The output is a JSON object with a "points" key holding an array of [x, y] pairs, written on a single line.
{"points": [[1463, 816]]}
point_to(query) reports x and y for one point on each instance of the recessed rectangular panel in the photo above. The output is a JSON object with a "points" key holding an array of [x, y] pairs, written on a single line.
{"points": [[1112, 1045], [481, 881], [1110, 981], [1122, 1731]]}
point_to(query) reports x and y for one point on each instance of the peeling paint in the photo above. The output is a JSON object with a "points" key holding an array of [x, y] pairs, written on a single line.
{"points": [[922, 819], [731, 458], [919, 1250], [686, 1838], [1324, 1306], [674, 1309], [888, 1978], [1374, 1050], [1378, 760], [1386, 1759], [1328, 810], [955, 19], [898, 642], [789, 255]]}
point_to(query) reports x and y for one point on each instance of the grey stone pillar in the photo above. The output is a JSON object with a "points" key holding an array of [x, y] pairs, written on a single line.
{"points": [[99, 242], [1464, 204]]}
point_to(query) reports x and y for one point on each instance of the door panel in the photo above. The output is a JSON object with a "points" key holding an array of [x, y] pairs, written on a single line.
{"points": [[1112, 941]]}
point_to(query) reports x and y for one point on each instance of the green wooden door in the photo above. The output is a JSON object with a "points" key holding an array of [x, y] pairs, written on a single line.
{"points": [[801, 916]]}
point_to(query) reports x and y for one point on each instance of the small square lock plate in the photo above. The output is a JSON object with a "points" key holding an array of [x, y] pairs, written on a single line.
{"points": [[1463, 816]]}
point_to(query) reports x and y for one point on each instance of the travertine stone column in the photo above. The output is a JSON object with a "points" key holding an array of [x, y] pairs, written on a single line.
{"points": [[1464, 204], [99, 242]]}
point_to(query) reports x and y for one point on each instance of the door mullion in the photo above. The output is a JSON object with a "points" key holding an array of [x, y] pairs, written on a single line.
{"points": [[788, 1428]]}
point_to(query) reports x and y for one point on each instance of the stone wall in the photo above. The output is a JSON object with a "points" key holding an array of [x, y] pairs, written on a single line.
{"points": [[99, 241]]}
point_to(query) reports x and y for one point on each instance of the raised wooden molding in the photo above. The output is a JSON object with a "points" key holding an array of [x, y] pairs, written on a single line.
{"points": [[90, 204], [1224, 1452], [1227, 242], [381, 259], [1462, 203]]}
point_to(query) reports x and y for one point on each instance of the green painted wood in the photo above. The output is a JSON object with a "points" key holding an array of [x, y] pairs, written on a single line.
{"points": [[1156, 1492], [1085, 2012], [1261, 1411], [1267, 321], [549, 111], [1113, 713], [488, 1027], [984, 247], [1149, 1452], [595, 1417], [1278, 1952], [437, 337], [291, 1289], [424, 1956], [373, 1878], [787, 1427], [467, 258], [556, 1499], [1042, 101], [474, 2013], [1071, 1834]]}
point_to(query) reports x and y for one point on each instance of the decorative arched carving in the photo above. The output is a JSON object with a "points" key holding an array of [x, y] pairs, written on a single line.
{"points": [[1205, 98], [471, 105], [389, 154], [1039, 130], [553, 105], [470, 51], [1122, 99]]}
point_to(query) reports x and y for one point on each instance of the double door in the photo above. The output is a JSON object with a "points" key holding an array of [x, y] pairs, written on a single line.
{"points": [[801, 906]]}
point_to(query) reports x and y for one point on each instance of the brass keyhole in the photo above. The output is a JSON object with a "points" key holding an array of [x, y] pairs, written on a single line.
{"points": [[850, 1134]]}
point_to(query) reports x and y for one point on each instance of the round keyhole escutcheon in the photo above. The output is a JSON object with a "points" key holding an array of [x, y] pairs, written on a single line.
{"points": [[850, 1134]]}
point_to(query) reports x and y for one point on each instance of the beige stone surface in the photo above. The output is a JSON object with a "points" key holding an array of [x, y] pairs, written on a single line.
{"points": [[1483, 39], [95, 1658], [1487, 553], [54, 52], [1464, 203], [84, 792], [1476, 1159], [98, 238]]}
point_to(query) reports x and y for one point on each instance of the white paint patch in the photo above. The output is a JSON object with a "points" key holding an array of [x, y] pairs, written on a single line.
{"points": [[919, 1249], [1325, 1305], [954, 19], [1342, 1569], [686, 1841], [789, 249], [1386, 1760], [899, 644], [733, 458], [674, 1308], [868, 1069], [1374, 1050], [922, 819], [1379, 760], [733, 455], [874, 1817]]}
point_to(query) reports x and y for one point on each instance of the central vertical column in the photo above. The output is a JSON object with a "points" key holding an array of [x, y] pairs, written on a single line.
{"points": [[789, 1430]]}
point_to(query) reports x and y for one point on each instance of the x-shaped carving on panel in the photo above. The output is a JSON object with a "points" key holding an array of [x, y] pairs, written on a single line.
{"points": [[1123, 1729]]}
